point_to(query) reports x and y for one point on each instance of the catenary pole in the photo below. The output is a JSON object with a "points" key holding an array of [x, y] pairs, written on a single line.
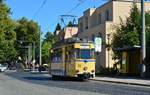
{"points": [[40, 59], [143, 68]]}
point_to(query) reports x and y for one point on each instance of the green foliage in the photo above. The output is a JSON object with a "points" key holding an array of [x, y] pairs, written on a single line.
{"points": [[46, 52], [148, 39], [107, 71], [4, 10], [58, 27], [7, 34], [125, 38], [49, 37], [70, 24], [147, 21], [46, 46], [27, 32], [129, 33], [15, 34], [148, 46]]}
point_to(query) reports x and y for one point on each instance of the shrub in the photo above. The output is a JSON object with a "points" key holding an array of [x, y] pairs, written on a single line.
{"points": [[107, 71]]}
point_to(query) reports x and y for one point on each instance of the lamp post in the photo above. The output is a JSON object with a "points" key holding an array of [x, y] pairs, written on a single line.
{"points": [[143, 52], [108, 47]]}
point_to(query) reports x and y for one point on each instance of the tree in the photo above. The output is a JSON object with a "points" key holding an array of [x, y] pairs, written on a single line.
{"points": [[46, 52], [46, 46], [49, 37], [27, 32], [129, 33], [147, 21], [7, 34], [58, 27], [70, 24]]}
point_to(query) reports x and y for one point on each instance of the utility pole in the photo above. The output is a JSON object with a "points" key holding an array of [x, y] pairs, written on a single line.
{"points": [[143, 68], [34, 50], [40, 59], [29, 52]]}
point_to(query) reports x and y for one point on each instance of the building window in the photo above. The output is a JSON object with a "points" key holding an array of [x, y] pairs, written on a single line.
{"points": [[93, 36], [99, 34], [81, 27], [107, 15], [86, 23], [100, 18]]}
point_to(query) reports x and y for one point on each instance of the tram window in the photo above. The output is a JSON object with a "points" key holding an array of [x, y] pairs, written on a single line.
{"points": [[77, 53], [56, 57], [93, 53], [70, 54], [84, 53]]}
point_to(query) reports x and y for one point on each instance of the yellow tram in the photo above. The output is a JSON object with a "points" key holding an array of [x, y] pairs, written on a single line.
{"points": [[73, 59]]}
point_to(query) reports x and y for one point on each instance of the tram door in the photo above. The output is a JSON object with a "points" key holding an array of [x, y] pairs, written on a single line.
{"points": [[69, 63], [66, 62]]}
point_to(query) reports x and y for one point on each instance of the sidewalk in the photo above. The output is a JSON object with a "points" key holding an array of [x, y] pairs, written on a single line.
{"points": [[124, 80]]}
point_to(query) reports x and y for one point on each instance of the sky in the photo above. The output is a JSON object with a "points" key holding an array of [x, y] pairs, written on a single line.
{"points": [[49, 14]]}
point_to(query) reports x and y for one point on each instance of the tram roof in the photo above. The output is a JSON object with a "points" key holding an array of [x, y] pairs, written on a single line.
{"points": [[71, 41]]}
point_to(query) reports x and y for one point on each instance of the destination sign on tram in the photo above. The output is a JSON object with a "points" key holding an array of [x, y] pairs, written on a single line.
{"points": [[84, 46]]}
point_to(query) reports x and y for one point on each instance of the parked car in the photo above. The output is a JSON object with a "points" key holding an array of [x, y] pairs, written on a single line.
{"points": [[2, 68], [43, 67]]}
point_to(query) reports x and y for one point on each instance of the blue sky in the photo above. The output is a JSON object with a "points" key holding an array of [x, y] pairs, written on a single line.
{"points": [[49, 15]]}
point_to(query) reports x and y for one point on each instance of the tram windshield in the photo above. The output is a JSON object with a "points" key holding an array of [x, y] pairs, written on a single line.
{"points": [[84, 54]]}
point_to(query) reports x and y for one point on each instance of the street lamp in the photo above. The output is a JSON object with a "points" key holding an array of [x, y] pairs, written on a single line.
{"points": [[108, 47]]}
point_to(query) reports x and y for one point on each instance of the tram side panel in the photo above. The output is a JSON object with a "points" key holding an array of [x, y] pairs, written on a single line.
{"points": [[57, 64]]}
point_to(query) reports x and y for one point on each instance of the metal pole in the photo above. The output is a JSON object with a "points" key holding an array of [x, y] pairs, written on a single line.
{"points": [[108, 48], [40, 59], [34, 61], [34, 50], [143, 39], [29, 55]]}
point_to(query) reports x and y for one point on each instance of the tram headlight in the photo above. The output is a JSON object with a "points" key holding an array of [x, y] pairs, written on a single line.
{"points": [[77, 71], [85, 68], [92, 71]]}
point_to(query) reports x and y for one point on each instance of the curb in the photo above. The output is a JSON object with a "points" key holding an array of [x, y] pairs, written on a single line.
{"points": [[37, 72], [148, 85]]}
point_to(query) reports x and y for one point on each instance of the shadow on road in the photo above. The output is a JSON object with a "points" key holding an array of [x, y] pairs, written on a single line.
{"points": [[29, 76], [37, 78]]}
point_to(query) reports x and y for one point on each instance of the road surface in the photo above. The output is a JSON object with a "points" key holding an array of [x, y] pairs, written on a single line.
{"points": [[26, 83]]}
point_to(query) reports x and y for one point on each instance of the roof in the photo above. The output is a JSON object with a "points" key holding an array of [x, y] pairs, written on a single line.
{"points": [[128, 48], [70, 41]]}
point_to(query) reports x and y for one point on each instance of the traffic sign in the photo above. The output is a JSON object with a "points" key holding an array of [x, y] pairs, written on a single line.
{"points": [[98, 44]]}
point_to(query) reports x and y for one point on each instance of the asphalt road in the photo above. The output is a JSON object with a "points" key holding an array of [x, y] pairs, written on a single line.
{"points": [[26, 83]]}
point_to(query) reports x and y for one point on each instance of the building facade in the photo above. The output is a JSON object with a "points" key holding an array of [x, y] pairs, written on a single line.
{"points": [[101, 22]]}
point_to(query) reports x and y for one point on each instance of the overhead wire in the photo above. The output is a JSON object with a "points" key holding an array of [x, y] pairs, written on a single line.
{"points": [[42, 5], [77, 5], [67, 13]]}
